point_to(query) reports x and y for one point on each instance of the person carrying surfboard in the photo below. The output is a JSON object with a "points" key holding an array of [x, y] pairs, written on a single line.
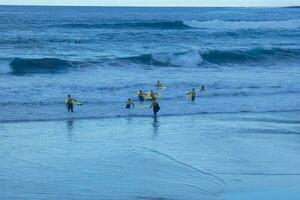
{"points": [[141, 96], [152, 95], [70, 101], [192, 94], [160, 85], [129, 104], [155, 106]]}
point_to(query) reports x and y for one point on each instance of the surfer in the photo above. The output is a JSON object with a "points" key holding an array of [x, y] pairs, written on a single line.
{"points": [[70, 102], [202, 88], [160, 85], [155, 106], [152, 95], [192, 94], [141, 96], [129, 104]]}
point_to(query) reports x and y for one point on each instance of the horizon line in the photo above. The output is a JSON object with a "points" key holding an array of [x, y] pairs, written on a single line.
{"points": [[146, 6]]}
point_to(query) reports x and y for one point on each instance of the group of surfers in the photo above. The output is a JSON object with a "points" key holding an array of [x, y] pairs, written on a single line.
{"points": [[153, 96], [141, 97]]}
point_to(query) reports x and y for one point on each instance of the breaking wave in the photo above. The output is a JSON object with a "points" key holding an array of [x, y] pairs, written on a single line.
{"points": [[236, 25], [188, 24], [191, 58], [197, 57]]}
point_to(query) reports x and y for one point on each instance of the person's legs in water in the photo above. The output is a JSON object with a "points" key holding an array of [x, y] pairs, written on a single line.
{"points": [[155, 111], [193, 98], [141, 98], [70, 107]]}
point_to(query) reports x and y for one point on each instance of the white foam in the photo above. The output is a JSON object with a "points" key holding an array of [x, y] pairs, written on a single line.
{"points": [[187, 59], [235, 25]]}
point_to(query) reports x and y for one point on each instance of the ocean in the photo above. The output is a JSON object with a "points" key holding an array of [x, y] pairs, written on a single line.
{"points": [[239, 139], [247, 58]]}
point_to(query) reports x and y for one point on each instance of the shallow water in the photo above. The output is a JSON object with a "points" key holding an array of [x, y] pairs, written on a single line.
{"points": [[213, 156]]}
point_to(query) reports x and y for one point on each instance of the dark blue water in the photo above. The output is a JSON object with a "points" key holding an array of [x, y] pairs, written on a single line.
{"points": [[248, 58]]}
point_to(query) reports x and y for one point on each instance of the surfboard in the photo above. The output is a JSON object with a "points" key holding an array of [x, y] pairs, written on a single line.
{"points": [[161, 86], [188, 95], [77, 103], [147, 95]]}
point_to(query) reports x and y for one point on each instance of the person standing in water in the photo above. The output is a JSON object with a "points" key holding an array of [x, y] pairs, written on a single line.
{"points": [[158, 84], [70, 101], [202, 88], [155, 106], [129, 104], [152, 95], [141, 96], [192, 94]]}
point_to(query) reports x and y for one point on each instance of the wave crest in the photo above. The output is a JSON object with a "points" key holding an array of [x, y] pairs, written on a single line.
{"points": [[149, 25], [189, 58], [236, 25], [194, 58], [43, 65], [189, 24]]}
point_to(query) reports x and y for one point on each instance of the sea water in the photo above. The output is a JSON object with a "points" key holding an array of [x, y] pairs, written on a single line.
{"points": [[247, 58], [238, 140]]}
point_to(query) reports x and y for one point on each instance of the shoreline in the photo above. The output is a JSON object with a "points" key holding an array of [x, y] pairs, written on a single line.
{"points": [[145, 116]]}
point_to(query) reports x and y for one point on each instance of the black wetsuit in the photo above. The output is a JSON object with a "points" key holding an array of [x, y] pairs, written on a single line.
{"points": [[193, 98], [156, 108], [128, 104], [70, 107], [141, 98]]}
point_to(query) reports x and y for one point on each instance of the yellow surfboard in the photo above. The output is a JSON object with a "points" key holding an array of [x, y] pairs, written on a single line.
{"points": [[189, 95], [77, 103], [147, 95]]}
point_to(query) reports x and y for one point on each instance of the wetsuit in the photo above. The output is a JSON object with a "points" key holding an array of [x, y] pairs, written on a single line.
{"points": [[156, 108], [152, 95], [70, 104], [193, 96], [129, 103], [141, 96]]}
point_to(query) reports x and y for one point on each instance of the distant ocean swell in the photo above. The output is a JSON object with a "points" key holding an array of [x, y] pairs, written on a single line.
{"points": [[192, 58], [149, 25], [188, 24]]}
